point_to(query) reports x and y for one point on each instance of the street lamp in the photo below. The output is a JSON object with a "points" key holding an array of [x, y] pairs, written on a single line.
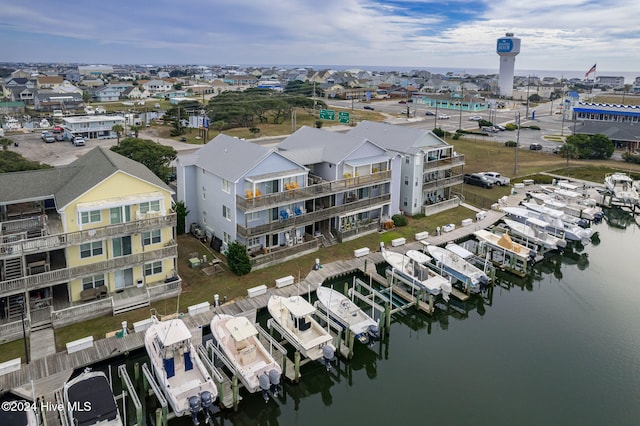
{"points": [[460, 106]]}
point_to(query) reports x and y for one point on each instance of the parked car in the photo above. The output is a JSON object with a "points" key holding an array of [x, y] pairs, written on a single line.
{"points": [[477, 179], [47, 137], [556, 149], [496, 178], [443, 117], [535, 147], [429, 113], [369, 107], [79, 141], [475, 118], [489, 129], [402, 102], [499, 127]]}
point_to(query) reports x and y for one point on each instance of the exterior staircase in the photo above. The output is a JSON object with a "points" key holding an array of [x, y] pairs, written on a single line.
{"points": [[12, 268], [15, 307]]}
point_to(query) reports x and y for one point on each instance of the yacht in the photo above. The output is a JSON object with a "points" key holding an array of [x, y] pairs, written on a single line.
{"points": [[89, 400]]}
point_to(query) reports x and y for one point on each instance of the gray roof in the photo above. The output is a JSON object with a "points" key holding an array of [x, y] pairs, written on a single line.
{"points": [[66, 183], [230, 158], [622, 132], [403, 139], [310, 146]]}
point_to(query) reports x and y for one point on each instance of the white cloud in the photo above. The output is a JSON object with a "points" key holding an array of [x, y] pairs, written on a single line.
{"points": [[562, 34]]}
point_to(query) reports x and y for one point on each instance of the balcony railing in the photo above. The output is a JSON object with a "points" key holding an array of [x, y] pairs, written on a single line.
{"points": [[57, 241], [308, 218], [442, 183], [310, 192], [64, 275], [282, 253], [82, 312], [356, 231], [13, 330], [444, 163]]}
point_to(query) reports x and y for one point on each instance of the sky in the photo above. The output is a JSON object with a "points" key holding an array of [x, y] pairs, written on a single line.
{"points": [[555, 34]]}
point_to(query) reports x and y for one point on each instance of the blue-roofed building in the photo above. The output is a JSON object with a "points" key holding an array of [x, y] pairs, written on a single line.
{"points": [[607, 112]]}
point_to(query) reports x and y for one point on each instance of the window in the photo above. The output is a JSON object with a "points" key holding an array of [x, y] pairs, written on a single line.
{"points": [[151, 206], [153, 268], [90, 249], [90, 217], [253, 242], [226, 212], [204, 217], [226, 237], [405, 202], [151, 237], [92, 282], [120, 214], [226, 186], [122, 246], [252, 217], [406, 180], [407, 159]]}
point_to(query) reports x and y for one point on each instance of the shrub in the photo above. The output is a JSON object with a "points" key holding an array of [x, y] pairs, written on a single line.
{"points": [[318, 124], [511, 126], [238, 259], [456, 136], [511, 144], [533, 127], [399, 220], [631, 158], [438, 132]]}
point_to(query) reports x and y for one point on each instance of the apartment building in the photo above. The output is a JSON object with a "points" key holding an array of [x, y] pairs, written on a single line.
{"points": [[92, 126], [95, 237], [315, 187], [430, 168]]}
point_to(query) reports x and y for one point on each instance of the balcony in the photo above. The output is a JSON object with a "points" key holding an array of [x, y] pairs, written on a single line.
{"points": [[311, 217], [358, 230], [13, 245], [60, 276], [443, 164], [442, 183], [309, 192]]}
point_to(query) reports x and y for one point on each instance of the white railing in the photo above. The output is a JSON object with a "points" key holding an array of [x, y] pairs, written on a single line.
{"points": [[81, 312]]}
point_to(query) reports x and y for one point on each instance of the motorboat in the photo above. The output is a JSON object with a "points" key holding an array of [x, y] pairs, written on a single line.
{"points": [[295, 317], [181, 374], [238, 339], [504, 251], [348, 314], [412, 267], [44, 124], [622, 188], [473, 279], [556, 213], [17, 412], [534, 231], [555, 225], [89, 400], [570, 202]]}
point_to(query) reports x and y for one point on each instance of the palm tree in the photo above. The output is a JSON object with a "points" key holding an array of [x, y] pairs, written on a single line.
{"points": [[567, 151], [136, 129], [118, 129], [5, 142]]}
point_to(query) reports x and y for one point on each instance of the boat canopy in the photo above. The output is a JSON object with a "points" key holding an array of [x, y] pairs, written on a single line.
{"points": [[459, 250], [298, 306], [240, 328], [537, 222], [418, 256], [172, 332]]}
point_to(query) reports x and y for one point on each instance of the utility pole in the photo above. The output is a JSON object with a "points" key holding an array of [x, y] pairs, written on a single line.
{"points": [[460, 105], [526, 115], [515, 164]]}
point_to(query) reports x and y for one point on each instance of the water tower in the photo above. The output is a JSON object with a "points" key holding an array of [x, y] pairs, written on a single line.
{"points": [[507, 48]]}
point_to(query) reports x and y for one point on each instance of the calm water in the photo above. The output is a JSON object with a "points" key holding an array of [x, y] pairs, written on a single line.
{"points": [[559, 348]]}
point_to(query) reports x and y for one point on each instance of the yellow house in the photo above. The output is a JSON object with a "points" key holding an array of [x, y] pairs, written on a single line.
{"points": [[91, 238]]}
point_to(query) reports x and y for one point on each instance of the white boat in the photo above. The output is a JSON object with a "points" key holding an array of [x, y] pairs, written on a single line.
{"points": [[238, 338], [504, 252], [294, 315], [348, 314], [571, 202], [622, 188], [413, 269], [44, 124], [89, 400], [555, 225], [182, 376], [556, 213], [534, 231], [472, 278]]}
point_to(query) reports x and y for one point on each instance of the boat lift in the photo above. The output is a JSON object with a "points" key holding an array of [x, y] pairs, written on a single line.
{"points": [[149, 384], [131, 390]]}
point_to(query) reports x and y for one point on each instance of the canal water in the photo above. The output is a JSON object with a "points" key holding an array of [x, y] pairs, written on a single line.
{"points": [[559, 347]]}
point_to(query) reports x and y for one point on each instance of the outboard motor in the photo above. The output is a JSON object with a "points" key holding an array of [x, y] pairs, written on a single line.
{"points": [[208, 406], [532, 256], [483, 280], [274, 378], [328, 353], [584, 223], [597, 218], [374, 333], [194, 408], [263, 379]]}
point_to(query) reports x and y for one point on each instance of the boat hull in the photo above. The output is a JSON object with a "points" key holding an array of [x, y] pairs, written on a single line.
{"points": [[348, 314]]}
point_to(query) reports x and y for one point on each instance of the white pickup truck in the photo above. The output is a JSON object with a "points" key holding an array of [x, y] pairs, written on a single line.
{"points": [[496, 178]]}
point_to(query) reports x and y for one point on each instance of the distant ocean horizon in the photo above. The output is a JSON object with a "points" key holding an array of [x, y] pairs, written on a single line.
{"points": [[629, 76]]}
